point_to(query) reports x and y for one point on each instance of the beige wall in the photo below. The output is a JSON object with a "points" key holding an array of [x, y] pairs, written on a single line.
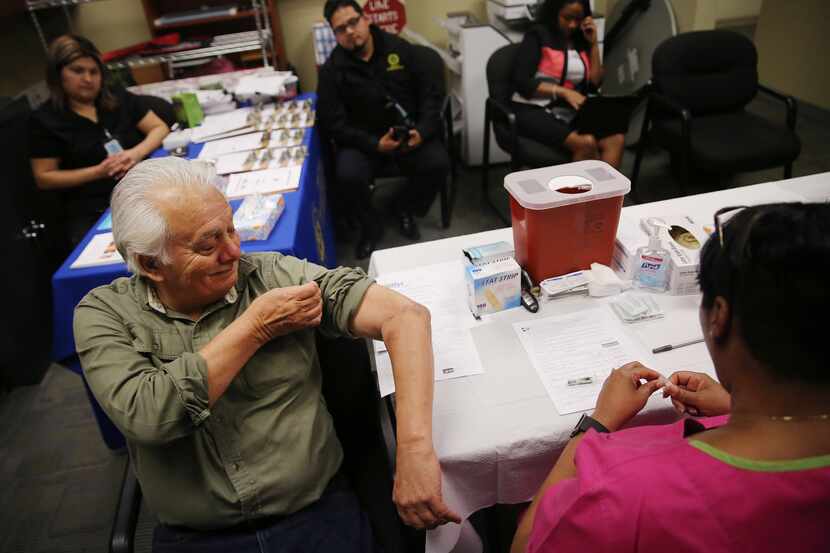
{"points": [[110, 25], [113, 24], [298, 16], [792, 45]]}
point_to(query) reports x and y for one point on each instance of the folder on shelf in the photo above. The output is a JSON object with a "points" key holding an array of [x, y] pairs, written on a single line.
{"points": [[195, 15]]}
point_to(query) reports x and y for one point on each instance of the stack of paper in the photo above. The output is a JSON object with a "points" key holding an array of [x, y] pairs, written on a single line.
{"points": [[100, 251], [269, 181], [217, 125]]}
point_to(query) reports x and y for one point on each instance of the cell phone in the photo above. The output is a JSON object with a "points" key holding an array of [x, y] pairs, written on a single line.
{"points": [[400, 132]]}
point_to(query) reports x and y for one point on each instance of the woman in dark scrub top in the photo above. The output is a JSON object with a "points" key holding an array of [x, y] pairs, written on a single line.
{"points": [[86, 136]]}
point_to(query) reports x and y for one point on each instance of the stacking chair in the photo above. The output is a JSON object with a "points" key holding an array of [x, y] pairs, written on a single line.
{"points": [[702, 83], [498, 115], [365, 428]]}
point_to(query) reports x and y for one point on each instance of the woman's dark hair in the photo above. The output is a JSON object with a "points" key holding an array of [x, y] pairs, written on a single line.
{"points": [[64, 50], [548, 16], [774, 272], [334, 5]]}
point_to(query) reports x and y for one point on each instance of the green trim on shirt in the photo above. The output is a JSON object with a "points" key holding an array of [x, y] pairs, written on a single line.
{"points": [[806, 463]]}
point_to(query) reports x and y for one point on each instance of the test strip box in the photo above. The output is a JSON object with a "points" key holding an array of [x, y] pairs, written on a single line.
{"points": [[493, 286]]}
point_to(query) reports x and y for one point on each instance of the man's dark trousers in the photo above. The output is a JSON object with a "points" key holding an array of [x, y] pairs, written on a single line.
{"points": [[332, 524], [426, 166]]}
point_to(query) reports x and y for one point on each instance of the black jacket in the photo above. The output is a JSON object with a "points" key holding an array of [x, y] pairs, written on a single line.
{"points": [[351, 104]]}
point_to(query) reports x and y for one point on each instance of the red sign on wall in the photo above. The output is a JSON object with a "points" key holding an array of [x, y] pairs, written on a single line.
{"points": [[389, 15]]}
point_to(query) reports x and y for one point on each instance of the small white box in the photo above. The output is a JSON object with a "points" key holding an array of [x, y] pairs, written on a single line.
{"points": [[497, 251], [493, 286], [684, 241]]}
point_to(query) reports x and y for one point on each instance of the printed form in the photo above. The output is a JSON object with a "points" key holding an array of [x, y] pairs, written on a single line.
{"points": [[441, 289], [577, 347]]}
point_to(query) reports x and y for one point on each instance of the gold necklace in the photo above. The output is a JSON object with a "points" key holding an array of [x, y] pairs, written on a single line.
{"points": [[796, 418]]}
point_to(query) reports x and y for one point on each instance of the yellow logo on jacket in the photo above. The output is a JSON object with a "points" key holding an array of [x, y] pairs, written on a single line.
{"points": [[394, 61]]}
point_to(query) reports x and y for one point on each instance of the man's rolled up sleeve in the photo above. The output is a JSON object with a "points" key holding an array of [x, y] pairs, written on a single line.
{"points": [[342, 290], [150, 404]]}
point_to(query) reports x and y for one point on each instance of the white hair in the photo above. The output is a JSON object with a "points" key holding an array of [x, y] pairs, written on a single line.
{"points": [[138, 225]]}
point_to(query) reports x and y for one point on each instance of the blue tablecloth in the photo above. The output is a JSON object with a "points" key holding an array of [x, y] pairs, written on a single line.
{"points": [[303, 230]]}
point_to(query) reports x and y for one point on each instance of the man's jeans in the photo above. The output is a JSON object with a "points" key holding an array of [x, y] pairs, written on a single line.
{"points": [[333, 524]]}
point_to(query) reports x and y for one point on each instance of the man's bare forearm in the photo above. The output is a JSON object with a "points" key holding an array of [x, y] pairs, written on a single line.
{"points": [[408, 339]]}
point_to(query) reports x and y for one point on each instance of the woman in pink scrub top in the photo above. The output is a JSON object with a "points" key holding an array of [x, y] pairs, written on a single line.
{"points": [[749, 471]]}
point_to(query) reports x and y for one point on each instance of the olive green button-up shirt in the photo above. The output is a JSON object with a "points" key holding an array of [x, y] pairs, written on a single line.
{"points": [[267, 446]]}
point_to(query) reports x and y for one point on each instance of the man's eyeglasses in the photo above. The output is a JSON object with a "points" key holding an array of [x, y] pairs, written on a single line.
{"points": [[350, 24]]}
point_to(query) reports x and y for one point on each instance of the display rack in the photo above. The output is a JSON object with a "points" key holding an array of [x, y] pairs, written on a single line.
{"points": [[262, 39]]}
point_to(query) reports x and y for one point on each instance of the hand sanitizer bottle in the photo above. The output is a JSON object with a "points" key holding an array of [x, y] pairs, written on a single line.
{"points": [[653, 263]]}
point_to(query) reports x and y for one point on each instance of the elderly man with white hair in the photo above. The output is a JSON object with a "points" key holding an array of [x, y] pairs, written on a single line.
{"points": [[205, 359]]}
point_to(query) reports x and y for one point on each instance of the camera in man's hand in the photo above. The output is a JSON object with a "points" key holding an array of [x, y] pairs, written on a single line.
{"points": [[400, 133]]}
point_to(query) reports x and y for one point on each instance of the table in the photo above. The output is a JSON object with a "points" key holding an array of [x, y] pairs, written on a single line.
{"points": [[498, 434], [303, 230]]}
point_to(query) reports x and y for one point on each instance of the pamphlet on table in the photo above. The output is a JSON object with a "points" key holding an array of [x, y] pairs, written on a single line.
{"points": [[100, 251]]}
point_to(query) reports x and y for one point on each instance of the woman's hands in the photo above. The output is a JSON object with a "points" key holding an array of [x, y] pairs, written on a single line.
{"points": [[572, 97], [623, 395], [117, 165], [697, 394]]}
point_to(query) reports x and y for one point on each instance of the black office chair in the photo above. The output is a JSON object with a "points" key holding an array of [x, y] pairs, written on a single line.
{"points": [[702, 82], [365, 428], [524, 152]]}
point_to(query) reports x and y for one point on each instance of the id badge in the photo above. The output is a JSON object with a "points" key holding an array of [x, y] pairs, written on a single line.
{"points": [[113, 147]]}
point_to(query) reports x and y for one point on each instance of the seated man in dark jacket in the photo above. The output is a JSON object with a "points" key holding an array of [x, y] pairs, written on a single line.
{"points": [[378, 104]]}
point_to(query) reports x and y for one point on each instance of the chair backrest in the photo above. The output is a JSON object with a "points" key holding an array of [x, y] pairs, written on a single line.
{"points": [[160, 107], [433, 62], [707, 71], [500, 72]]}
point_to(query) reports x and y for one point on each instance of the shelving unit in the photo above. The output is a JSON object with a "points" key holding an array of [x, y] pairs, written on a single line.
{"points": [[262, 13], [233, 32]]}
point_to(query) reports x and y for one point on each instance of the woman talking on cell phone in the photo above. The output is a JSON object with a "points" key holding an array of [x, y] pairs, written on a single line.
{"points": [[557, 64]]}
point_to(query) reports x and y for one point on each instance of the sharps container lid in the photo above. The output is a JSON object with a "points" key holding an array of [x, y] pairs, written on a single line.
{"points": [[566, 184]]}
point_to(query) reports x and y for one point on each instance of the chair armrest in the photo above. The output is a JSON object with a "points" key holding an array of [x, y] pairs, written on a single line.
{"points": [[789, 101], [129, 505], [662, 101], [387, 427], [503, 110]]}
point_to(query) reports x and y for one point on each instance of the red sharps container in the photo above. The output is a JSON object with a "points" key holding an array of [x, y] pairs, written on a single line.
{"points": [[565, 217]]}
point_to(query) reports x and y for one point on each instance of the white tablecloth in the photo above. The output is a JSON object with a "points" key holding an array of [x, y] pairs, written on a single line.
{"points": [[498, 434]]}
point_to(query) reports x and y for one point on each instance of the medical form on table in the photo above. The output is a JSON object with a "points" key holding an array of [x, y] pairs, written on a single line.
{"points": [[581, 349], [441, 289]]}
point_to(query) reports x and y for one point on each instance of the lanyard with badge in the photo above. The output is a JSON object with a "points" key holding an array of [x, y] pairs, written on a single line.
{"points": [[112, 146]]}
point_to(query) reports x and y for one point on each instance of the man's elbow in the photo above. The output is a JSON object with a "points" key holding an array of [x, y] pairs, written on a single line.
{"points": [[410, 316]]}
